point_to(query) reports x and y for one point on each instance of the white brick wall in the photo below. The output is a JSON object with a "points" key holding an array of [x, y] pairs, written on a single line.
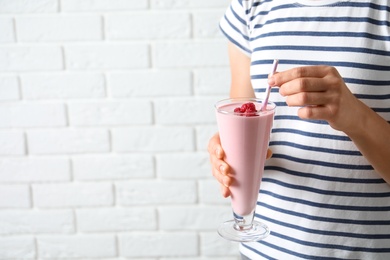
{"points": [[106, 108]]}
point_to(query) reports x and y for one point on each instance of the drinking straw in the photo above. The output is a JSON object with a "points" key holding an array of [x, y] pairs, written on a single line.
{"points": [[268, 90]]}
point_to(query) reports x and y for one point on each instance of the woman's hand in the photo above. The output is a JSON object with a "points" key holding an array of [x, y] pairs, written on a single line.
{"points": [[322, 94], [220, 169]]}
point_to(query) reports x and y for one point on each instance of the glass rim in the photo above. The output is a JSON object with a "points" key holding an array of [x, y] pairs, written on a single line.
{"points": [[221, 102]]}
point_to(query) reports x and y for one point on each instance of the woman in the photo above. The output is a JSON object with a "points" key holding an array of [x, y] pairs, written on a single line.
{"points": [[325, 192]]}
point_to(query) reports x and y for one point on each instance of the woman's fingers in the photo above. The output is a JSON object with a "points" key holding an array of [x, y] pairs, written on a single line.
{"points": [[220, 169], [269, 153], [225, 191]]}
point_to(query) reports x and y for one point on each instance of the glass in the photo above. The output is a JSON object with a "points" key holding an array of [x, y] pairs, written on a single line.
{"points": [[244, 139]]}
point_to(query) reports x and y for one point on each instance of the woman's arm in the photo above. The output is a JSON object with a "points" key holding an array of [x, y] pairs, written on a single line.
{"points": [[371, 135], [241, 85]]}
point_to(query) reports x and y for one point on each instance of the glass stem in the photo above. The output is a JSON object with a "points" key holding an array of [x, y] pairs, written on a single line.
{"points": [[245, 222]]}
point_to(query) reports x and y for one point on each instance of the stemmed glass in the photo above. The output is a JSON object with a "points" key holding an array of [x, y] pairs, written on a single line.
{"points": [[244, 139]]}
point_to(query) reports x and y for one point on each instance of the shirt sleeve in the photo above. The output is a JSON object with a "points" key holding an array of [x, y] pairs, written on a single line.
{"points": [[234, 25]]}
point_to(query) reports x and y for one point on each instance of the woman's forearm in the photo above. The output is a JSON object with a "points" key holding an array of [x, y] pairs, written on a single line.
{"points": [[372, 137]]}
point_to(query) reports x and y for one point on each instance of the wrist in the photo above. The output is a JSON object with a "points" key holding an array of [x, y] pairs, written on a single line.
{"points": [[359, 120]]}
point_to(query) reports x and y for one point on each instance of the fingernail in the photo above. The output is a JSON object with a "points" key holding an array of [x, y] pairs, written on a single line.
{"points": [[222, 169], [271, 81], [218, 152], [226, 182]]}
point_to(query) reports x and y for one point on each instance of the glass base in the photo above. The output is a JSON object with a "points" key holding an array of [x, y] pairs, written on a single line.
{"points": [[231, 231]]}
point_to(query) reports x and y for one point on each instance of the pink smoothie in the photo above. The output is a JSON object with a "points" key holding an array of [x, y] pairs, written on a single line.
{"points": [[245, 142]]}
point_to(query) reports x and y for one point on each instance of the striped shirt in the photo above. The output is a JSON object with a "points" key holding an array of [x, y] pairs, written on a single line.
{"points": [[320, 197]]}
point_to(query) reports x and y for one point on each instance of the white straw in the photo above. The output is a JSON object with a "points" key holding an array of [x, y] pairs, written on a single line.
{"points": [[268, 90]]}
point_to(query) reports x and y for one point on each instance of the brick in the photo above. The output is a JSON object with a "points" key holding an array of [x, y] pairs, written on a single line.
{"points": [[185, 111], [7, 30], [150, 83], [152, 139], [12, 143], [9, 88], [193, 217], [21, 247], [201, 258], [213, 81], [79, 246], [14, 196], [63, 85], [212, 245], [155, 244], [156, 25], [131, 112], [191, 54], [155, 192], [116, 219], [107, 56], [46, 28], [179, 4], [36, 222], [116, 167], [30, 58], [68, 141], [102, 5], [14, 170], [72, 195], [25, 6], [206, 24], [209, 192], [32, 115], [173, 165]]}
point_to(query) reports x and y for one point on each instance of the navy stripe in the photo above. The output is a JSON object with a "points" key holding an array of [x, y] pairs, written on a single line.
{"points": [[367, 82], [259, 90], [333, 64], [330, 233], [280, 104], [327, 206], [359, 96], [369, 5], [275, 8], [372, 83], [325, 219], [328, 192], [369, 96], [234, 28], [255, 4], [315, 148], [288, 117], [342, 4], [282, 249], [324, 177], [323, 34], [310, 134], [237, 17], [323, 49], [322, 163], [258, 252], [336, 246], [235, 42], [381, 109], [326, 19]]}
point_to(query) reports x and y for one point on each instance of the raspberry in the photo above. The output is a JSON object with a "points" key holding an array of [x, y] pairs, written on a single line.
{"points": [[247, 109]]}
